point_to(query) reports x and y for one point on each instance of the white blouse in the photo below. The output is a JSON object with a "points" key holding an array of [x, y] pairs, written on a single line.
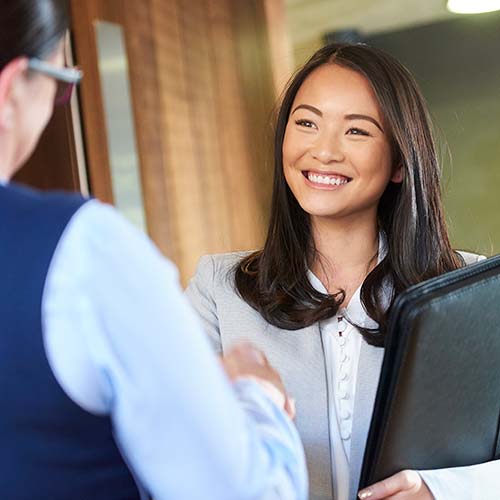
{"points": [[342, 345]]}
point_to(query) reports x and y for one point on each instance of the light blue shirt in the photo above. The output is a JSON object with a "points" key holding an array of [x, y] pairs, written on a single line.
{"points": [[122, 341]]}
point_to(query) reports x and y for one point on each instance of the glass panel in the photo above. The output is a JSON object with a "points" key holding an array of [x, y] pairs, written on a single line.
{"points": [[124, 163]]}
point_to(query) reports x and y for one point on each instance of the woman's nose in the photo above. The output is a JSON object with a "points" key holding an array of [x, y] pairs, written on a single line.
{"points": [[327, 149]]}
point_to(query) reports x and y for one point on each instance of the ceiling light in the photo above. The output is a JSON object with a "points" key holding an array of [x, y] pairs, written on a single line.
{"points": [[473, 6]]}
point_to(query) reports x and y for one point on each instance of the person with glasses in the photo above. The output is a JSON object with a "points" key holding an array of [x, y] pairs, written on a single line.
{"points": [[109, 388]]}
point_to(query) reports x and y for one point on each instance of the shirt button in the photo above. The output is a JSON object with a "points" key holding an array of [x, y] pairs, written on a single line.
{"points": [[345, 358], [343, 394], [345, 434], [345, 414], [342, 341]]}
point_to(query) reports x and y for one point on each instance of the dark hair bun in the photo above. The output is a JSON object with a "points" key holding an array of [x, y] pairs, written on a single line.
{"points": [[30, 28]]}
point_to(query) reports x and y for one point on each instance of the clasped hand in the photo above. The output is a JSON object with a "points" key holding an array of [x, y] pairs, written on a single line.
{"points": [[245, 360], [405, 485]]}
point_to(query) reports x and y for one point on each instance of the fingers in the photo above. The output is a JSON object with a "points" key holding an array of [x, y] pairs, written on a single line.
{"points": [[405, 480], [250, 353], [245, 360]]}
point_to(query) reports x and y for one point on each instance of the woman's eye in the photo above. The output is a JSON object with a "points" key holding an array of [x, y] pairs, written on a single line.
{"points": [[357, 131], [304, 123]]}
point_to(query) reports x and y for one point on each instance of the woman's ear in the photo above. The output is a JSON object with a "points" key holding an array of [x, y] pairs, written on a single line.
{"points": [[9, 78], [397, 175]]}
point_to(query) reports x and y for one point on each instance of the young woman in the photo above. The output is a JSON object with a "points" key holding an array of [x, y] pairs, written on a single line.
{"points": [[356, 218], [109, 388]]}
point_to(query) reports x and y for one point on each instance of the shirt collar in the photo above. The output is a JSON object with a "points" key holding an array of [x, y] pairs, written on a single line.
{"points": [[355, 310]]}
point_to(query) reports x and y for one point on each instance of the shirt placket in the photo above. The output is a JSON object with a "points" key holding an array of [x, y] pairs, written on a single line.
{"points": [[343, 381]]}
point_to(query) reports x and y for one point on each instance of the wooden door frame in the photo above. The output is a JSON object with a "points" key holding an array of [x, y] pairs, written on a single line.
{"points": [[136, 20], [83, 15]]}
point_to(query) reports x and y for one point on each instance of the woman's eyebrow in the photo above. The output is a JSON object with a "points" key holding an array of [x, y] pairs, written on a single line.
{"points": [[308, 107], [353, 116], [356, 116]]}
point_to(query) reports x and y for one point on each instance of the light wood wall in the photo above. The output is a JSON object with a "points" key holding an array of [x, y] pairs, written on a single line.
{"points": [[209, 151], [203, 86]]}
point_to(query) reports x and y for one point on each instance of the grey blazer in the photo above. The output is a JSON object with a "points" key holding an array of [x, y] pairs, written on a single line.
{"points": [[299, 357]]}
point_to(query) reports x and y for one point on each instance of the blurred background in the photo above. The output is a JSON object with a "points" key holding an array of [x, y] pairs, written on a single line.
{"points": [[173, 120]]}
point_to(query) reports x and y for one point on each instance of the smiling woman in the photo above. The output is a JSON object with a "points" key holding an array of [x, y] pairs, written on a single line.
{"points": [[355, 112], [356, 218], [336, 143]]}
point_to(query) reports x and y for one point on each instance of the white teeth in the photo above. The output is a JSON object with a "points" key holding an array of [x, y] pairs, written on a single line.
{"points": [[329, 180]]}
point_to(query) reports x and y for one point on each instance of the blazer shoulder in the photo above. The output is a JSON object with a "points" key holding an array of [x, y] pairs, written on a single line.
{"points": [[224, 262], [470, 257], [218, 268]]}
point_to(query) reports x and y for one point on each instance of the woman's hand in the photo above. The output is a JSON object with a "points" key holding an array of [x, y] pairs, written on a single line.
{"points": [[245, 360], [405, 485]]}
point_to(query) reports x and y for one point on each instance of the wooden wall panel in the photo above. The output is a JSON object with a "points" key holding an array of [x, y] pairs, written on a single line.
{"points": [[182, 150], [257, 87], [202, 92], [145, 90], [280, 45], [212, 159], [237, 164]]}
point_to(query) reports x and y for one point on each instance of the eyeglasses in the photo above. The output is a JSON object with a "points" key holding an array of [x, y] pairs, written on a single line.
{"points": [[66, 78]]}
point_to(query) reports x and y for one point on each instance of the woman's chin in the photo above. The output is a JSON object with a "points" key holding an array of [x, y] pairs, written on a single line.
{"points": [[323, 211]]}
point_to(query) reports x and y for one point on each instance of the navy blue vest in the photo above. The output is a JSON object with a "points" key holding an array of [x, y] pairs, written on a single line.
{"points": [[50, 448]]}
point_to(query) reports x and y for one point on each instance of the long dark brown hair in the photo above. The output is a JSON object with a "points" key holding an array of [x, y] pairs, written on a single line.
{"points": [[274, 280]]}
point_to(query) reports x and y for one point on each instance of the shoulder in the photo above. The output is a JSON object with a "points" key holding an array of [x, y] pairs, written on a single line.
{"points": [[25, 202], [100, 224], [100, 215], [218, 267], [99, 238], [470, 258], [214, 281]]}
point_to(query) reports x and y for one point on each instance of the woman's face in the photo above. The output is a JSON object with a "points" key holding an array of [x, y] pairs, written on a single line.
{"points": [[336, 153]]}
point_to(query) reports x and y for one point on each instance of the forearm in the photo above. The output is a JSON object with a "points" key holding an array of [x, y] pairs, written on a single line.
{"points": [[290, 480]]}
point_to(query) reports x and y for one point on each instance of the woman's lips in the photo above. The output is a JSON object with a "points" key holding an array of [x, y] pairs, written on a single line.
{"points": [[323, 180]]}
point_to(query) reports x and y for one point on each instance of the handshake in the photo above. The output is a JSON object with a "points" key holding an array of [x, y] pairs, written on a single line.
{"points": [[246, 361]]}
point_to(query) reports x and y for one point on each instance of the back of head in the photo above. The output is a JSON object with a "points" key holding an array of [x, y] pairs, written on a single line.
{"points": [[30, 28]]}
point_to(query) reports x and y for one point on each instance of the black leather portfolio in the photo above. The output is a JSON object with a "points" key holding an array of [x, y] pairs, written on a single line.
{"points": [[438, 399]]}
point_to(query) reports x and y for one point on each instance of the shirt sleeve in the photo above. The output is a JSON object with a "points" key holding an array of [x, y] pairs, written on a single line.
{"points": [[122, 340], [475, 482]]}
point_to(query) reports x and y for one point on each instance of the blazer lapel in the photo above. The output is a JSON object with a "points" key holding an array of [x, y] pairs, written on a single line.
{"points": [[370, 362], [298, 356], [318, 416]]}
